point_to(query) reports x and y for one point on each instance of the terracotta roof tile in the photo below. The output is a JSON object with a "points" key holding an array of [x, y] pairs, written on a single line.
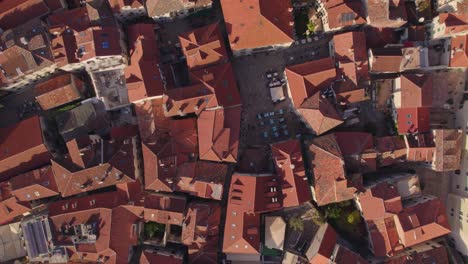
{"points": [[58, 91], [188, 100], [306, 79], [258, 23], [345, 13], [143, 77], [12, 208], [221, 81], [416, 90], [203, 46], [218, 132], [448, 151], [200, 232], [454, 23], [330, 184], [385, 13], [201, 178], [413, 120], [430, 255], [319, 114], [150, 257], [423, 221], [34, 185], [386, 60], [115, 165], [14, 13], [420, 147], [390, 149], [22, 148], [289, 164], [242, 228], [164, 209], [459, 52]]}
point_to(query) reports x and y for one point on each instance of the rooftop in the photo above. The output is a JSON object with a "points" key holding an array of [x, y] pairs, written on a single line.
{"points": [[218, 134], [143, 77], [343, 13], [203, 46], [330, 184], [22, 148], [289, 163], [59, 90], [258, 23], [15, 13]]}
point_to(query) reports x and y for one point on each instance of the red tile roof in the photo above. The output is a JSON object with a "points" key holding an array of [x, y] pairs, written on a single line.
{"points": [[58, 91], [379, 37], [430, 255], [306, 79], [188, 100], [416, 90], [358, 151], [420, 147], [448, 144], [249, 195], [459, 52], [413, 120], [379, 206], [124, 233], [326, 236], [330, 184], [201, 178], [117, 166], [386, 13], [203, 46], [34, 185], [289, 163], [143, 77], [386, 60], [15, 13], [258, 23], [343, 13], [150, 257], [22, 148], [319, 114], [390, 149], [200, 232], [12, 208], [100, 217], [351, 54], [221, 81], [422, 222], [164, 209], [454, 23], [79, 39], [218, 132]]}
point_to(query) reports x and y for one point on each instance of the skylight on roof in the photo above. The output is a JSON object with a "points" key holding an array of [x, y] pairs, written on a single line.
{"points": [[346, 17]]}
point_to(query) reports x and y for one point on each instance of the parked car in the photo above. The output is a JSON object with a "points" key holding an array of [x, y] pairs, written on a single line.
{"points": [[281, 111], [281, 120], [274, 128], [272, 121], [276, 134], [265, 134], [259, 116]]}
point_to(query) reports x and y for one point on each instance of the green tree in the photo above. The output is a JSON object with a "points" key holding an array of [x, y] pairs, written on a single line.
{"points": [[311, 26], [296, 223], [152, 229], [333, 211]]}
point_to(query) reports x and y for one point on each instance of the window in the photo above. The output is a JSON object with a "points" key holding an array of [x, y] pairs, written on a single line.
{"points": [[408, 115], [105, 45], [37, 193]]}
